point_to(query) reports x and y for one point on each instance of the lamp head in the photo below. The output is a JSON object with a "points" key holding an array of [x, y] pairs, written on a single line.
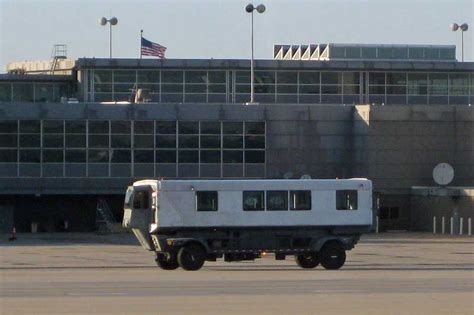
{"points": [[113, 21], [249, 8], [464, 27], [103, 21], [260, 8]]}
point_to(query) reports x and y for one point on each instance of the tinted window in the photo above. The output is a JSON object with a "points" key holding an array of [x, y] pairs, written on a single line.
{"points": [[300, 200], [140, 200], [232, 127], [277, 200], [206, 200], [8, 126], [253, 200], [128, 197], [346, 199], [210, 127], [166, 127], [188, 127], [165, 156]]}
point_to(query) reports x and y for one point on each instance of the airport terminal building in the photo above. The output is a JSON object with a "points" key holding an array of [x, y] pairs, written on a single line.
{"points": [[390, 113]]}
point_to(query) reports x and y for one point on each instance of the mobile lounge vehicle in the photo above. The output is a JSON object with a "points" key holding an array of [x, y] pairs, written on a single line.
{"points": [[187, 222]]}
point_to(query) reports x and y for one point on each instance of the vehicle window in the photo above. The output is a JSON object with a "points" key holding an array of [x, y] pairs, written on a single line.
{"points": [[206, 200], [300, 200], [277, 200], [253, 200], [140, 200], [346, 199], [128, 197]]}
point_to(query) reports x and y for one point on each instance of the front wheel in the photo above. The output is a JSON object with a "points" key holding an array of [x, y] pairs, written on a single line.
{"points": [[307, 261], [332, 256], [191, 257], [166, 262]]}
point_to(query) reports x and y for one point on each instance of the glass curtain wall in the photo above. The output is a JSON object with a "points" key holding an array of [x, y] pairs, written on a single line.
{"points": [[39, 92], [140, 149], [281, 86]]}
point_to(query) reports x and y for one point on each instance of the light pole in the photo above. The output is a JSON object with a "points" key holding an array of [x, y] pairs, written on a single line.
{"points": [[260, 9], [111, 21], [464, 27]]}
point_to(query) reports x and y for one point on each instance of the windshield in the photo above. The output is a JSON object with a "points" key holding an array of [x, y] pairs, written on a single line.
{"points": [[128, 197], [141, 200]]}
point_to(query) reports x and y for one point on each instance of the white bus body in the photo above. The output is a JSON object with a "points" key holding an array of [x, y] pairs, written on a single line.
{"points": [[228, 217]]}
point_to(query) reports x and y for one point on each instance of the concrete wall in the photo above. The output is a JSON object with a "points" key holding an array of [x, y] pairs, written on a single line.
{"points": [[398, 146], [313, 140], [64, 66]]}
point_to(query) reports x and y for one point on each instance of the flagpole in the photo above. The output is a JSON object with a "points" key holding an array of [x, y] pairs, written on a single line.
{"points": [[141, 36]]}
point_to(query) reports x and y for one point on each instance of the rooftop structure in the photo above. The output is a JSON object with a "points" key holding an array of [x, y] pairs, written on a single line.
{"points": [[333, 51]]}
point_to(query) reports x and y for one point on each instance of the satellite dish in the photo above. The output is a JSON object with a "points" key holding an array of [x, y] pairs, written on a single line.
{"points": [[305, 176], [288, 175], [443, 174]]}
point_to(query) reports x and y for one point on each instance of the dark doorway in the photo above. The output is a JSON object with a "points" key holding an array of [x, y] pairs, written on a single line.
{"points": [[6, 219]]}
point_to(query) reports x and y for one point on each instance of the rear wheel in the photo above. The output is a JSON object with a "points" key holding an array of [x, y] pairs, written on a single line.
{"points": [[191, 256], [166, 262], [307, 261], [332, 255]]}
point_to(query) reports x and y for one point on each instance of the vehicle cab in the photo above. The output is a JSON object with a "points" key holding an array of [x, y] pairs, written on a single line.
{"points": [[140, 211]]}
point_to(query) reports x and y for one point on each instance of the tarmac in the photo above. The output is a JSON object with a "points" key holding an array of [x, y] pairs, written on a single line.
{"points": [[85, 273]]}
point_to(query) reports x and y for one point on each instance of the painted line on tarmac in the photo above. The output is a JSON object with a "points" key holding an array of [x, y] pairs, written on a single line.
{"points": [[75, 267], [98, 294]]}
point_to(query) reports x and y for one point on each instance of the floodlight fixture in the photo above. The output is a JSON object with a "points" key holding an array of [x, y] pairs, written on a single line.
{"points": [[463, 27], [112, 21], [249, 9], [260, 8]]}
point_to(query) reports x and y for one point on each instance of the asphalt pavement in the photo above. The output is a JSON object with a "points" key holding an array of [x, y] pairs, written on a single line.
{"points": [[400, 273]]}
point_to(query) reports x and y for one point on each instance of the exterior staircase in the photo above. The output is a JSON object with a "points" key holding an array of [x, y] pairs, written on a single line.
{"points": [[59, 53], [105, 221]]}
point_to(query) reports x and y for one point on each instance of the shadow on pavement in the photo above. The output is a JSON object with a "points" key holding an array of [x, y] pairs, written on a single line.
{"points": [[65, 239]]}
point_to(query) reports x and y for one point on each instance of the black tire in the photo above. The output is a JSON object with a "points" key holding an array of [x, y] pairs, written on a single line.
{"points": [[191, 257], [332, 255], [166, 262], [307, 261]]}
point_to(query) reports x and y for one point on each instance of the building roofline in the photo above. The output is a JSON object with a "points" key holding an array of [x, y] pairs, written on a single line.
{"points": [[36, 77], [106, 63]]}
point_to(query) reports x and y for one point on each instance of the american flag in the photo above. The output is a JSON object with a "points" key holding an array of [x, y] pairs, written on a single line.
{"points": [[152, 49]]}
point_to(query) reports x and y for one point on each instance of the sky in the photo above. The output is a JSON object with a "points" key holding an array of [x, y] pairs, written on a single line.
{"points": [[220, 29]]}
